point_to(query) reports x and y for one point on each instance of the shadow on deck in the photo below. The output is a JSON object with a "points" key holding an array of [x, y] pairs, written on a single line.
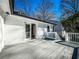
{"points": [[75, 54]]}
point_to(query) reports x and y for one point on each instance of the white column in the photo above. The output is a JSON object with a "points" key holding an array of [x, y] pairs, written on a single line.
{"points": [[2, 32], [24, 30], [36, 31], [30, 30], [67, 38]]}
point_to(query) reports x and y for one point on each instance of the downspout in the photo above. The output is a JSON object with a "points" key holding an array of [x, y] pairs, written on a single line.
{"points": [[11, 5]]}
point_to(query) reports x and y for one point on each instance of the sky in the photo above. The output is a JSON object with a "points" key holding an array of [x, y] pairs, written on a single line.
{"points": [[56, 7]]}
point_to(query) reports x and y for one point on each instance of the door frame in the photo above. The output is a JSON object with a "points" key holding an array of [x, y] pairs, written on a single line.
{"points": [[30, 30]]}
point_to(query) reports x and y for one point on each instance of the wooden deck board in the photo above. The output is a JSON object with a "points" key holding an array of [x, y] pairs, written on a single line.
{"points": [[37, 49]]}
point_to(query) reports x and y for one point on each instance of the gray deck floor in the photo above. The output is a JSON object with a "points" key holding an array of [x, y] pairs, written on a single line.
{"points": [[37, 49]]}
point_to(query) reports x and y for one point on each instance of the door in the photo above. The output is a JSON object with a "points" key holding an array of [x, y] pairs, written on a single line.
{"points": [[33, 31]]}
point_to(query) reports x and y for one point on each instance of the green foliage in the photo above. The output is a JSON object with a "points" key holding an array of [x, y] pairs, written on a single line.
{"points": [[71, 24]]}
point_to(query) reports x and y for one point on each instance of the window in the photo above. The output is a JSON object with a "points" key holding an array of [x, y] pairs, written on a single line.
{"points": [[27, 30], [48, 29]]}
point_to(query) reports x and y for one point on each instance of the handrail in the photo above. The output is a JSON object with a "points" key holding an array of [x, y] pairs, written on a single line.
{"points": [[53, 35]]}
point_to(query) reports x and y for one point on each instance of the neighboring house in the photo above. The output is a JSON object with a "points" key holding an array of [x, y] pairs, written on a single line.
{"points": [[18, 28], [58, 28]]}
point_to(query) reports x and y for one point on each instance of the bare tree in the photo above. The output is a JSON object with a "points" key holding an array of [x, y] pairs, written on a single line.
{"points": [[69, 7], [27, 7], [43, 10]]}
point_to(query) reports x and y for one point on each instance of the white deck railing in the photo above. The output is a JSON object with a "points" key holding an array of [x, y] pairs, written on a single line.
{"points": [[53, 35], [72, 37]]}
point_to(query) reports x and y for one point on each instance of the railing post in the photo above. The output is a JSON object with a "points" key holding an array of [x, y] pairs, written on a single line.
{"points": [[56, 35], [66, 37]]}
